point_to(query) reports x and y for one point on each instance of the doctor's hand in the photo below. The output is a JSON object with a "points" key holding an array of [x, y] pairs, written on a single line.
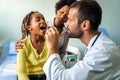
{"points": [[52, 38]]}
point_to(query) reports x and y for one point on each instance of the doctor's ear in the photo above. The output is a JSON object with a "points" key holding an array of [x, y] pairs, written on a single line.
{"points": [[85, 25]]}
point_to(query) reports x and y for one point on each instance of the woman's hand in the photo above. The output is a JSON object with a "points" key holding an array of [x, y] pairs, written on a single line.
{"points": [[18, 45]]}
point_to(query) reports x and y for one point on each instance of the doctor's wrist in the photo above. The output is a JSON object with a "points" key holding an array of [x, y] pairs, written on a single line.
{"points": [[53, 51]]}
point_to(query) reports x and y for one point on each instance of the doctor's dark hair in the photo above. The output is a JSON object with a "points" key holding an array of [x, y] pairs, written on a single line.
{"points": [[89, 10], [62, 3], [26, 22]]}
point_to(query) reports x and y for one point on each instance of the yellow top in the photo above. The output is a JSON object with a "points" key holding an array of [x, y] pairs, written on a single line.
{"points": [[29, 62]]}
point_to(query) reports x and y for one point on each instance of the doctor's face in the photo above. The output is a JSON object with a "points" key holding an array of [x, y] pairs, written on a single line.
{"points": [[74, 29]]}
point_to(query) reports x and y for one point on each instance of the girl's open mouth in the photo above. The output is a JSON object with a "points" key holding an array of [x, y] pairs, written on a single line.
{"points": [[43, 28]]}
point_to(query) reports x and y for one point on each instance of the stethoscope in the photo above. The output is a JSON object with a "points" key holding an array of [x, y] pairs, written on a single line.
{"points": [[92, 43], [95, 40]]}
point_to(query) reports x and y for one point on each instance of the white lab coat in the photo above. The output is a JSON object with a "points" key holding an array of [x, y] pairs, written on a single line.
{"points": [[101, 62]]}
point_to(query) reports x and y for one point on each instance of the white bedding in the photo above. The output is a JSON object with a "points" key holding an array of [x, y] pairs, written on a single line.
{"points": [[8, 68]]}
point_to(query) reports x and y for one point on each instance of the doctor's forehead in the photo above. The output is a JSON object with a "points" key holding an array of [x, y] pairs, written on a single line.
{"points": [[73, 12]]}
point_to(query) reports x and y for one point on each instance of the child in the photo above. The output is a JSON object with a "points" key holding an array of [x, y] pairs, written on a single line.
{"points": [[33, 55]]}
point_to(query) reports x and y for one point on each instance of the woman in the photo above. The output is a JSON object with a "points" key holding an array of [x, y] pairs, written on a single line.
{"points": [[62, 9]]}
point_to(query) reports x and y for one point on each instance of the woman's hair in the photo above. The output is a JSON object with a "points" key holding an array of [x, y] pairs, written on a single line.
{"points": [[26, 22], [62, 3], [89, 10]]}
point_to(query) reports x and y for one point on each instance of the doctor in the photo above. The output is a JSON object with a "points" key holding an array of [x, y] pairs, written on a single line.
{"points": [[101, 59]]}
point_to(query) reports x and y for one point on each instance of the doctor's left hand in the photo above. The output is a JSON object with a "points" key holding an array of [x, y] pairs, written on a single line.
{"points": [[52, 38]]}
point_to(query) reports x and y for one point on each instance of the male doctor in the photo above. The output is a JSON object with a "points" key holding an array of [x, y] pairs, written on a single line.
{"points": [[102, 57]]}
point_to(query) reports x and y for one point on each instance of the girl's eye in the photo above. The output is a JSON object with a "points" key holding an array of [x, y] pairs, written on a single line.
{"points": [[37, 19]]}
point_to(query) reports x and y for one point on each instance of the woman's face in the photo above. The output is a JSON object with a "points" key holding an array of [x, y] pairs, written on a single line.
{"points": [[37, 25], [61, 15]]}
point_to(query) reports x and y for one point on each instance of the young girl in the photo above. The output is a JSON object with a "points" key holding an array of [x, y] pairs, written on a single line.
{"points": [[33, 55]]}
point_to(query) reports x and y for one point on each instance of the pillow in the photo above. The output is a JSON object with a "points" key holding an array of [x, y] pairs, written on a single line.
{"points": [[12, 50], [5, 50], [104, 30], [0, 50]]}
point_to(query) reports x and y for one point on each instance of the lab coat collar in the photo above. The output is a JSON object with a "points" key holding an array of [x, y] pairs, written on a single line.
{"points": [[91, 42]]}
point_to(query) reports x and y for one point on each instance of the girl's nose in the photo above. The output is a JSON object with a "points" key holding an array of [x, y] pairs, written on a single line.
{"points": [[43, 23]]}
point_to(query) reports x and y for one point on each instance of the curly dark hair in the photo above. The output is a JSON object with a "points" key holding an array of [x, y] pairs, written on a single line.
{"points": [[62, 3]]}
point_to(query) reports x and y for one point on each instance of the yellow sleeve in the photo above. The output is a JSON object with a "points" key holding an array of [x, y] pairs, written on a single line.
{"points": [[21, 65]]}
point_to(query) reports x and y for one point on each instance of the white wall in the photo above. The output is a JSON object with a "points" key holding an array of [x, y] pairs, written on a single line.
{"points": [[111, 18]]}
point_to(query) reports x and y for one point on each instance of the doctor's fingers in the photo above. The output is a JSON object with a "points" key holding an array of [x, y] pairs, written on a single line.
{"points": [[52, 31]]}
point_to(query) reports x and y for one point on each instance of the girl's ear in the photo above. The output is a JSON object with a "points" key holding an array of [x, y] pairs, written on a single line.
{"points": [[29, 28], [85, 25]]}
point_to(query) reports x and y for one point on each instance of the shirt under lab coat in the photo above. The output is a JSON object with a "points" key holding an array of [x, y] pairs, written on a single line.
{"points": [[101, 62]]}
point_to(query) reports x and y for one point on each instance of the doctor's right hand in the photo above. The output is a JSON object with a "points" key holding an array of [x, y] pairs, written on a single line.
{"points": [[52, 38]]}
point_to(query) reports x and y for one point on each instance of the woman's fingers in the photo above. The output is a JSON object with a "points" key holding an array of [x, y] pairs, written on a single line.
{"points": [[18, 45]]}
